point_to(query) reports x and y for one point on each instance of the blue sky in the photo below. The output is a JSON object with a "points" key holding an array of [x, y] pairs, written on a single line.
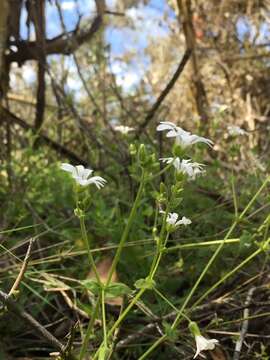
{"points": [[145, 22]]}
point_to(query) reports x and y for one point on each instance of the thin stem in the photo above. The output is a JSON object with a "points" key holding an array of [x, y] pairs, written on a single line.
{"points": [[89, 329], [125, 312], [160, 172], [127, 228], [218, 250], [86, 242], [234, 198], [153, 346], [229, 274], [121, 318], [170, 303], [201, 244], [159, 255], [152, 272], [212, 259], [104, 318], [159, 243]]}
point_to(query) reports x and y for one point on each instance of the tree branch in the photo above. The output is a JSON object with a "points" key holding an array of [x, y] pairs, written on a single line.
{"points": [[165, 92], [64, 44], [6, 115]]}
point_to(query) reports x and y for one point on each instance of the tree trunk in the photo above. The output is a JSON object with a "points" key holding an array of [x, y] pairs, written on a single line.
{"points": [[4, 10]]}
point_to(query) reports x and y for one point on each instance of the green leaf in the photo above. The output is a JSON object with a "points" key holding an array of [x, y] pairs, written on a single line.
{"points": [[117, 289], [145, 284], [245, 240], [172, 334], [176, 202], [92, 285], [148, 211]]}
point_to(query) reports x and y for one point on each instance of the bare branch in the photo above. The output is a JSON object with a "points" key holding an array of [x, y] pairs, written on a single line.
{"points": [[244, 329], [39, 329], [165, 92], [64, 44], [8, 116]]}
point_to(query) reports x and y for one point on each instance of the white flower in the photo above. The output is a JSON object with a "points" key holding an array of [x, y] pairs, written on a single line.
{"points": [[235, 130], [185, 166], [173, 217], [173, 129], [184, 221], [83, 176], [123, 129], [183, 137], [204, 344], [221, 108]]}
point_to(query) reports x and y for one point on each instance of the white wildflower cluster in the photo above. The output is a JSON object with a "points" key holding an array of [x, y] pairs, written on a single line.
{"points": [[173, 222], [123, 129], [182, 137], [185, 166], [82, 176], [172, 219], [235, 130]]}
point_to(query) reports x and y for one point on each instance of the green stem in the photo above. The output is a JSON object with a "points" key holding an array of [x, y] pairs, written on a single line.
{"points": [[170, 303], [201, 244], [89, 329], [86, 243], [218, 250], [229, 274], [153, 347], [127, 228], [121, 318], [167, 167], [152, 272], [104, 318], [234, 198], [212, 259], [158, 257], [126, 311], [159, 243]]}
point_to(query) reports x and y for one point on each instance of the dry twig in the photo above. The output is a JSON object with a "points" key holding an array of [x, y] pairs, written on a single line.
{"points": [[244, 329], [34, 324], [23, 268]]}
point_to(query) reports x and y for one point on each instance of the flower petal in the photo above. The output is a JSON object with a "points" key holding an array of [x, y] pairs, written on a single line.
{"points": [[168, 160], [172, 133], [165, 125], [184, 221], [97, 180], [87, 173], [68, 168], [80, 170]]}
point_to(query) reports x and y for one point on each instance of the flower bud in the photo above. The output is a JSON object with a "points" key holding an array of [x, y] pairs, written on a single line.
{"points": [[78, 212], [132, 149], [194, 328], [142, 154]]}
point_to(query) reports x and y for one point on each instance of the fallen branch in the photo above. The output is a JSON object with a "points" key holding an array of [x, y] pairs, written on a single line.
{"points": [[33, 323]]}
